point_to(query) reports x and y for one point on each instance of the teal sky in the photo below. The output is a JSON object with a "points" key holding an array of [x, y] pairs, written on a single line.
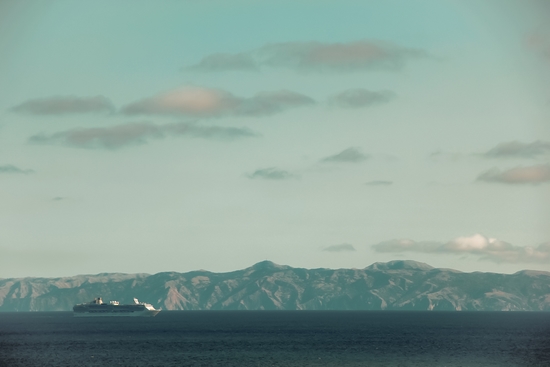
{"points": [[141, 136]]}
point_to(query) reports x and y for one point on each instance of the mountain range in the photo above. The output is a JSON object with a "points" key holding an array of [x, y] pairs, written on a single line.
{"points": [[395, 285]]}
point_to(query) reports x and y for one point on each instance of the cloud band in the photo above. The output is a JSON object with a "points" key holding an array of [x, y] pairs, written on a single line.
{"points": [[478, 245], [119, 136]]}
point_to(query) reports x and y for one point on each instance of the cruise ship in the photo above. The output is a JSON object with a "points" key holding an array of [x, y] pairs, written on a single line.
{"points": [[98, 308]]}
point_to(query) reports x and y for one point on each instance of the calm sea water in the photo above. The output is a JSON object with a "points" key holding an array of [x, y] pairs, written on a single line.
{"points": [[277, 338]]}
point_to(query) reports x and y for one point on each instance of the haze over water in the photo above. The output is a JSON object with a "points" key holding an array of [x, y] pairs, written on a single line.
{"points": [[278, 338]]}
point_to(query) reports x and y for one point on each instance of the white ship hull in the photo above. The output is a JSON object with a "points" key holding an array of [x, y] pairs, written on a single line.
{"points": [[145, 313], [97, 308]]}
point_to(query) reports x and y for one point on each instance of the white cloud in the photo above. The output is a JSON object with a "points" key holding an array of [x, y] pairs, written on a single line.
{"points": [[209, 102], [479, 245], [224, 61], [519, 175], [516, 149], [344, 247], [316, 56], [350, 155], [191, 101], [61, 105], [207, 131], [9, 168], [359, 97], [272, 173], [268, 103], [135, 134]]}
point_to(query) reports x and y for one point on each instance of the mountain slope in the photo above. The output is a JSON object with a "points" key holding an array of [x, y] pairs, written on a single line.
{"points": [[396, 285]]}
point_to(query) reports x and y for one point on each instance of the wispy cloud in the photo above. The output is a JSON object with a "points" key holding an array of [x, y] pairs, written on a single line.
{"points": [[10, 169], [350, 155], [516, 149], [316, 56], [135, 134], [538, 42], [207, 132], [358, 98], [226, 62], [379, 183], [478, 245], [268, 103], [440, 155], [209, 102], [101, 138], [190, 101], [272, 173], [344, 247], [519, 175], [61, 105]]}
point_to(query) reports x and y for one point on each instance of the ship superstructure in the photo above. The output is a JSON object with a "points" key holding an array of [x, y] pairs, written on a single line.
{"points": [[98, 308]]}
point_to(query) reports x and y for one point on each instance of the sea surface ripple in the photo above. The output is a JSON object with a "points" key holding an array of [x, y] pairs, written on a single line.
{"points": [[277, 338]]}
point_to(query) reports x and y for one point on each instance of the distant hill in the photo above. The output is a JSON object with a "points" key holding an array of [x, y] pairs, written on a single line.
{"points": [[395, 285]]}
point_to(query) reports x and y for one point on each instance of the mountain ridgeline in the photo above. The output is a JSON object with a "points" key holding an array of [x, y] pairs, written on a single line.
{"points": [[396, 285]]}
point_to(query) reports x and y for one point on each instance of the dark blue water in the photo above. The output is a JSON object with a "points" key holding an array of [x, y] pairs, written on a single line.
{"points": [[277, 338]]}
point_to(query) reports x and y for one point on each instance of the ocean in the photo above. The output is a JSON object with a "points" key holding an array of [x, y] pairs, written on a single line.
{"points": [[277, 338]]}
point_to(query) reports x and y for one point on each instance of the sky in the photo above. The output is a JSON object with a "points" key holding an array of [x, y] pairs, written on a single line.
{"points": [[141, 137]]}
